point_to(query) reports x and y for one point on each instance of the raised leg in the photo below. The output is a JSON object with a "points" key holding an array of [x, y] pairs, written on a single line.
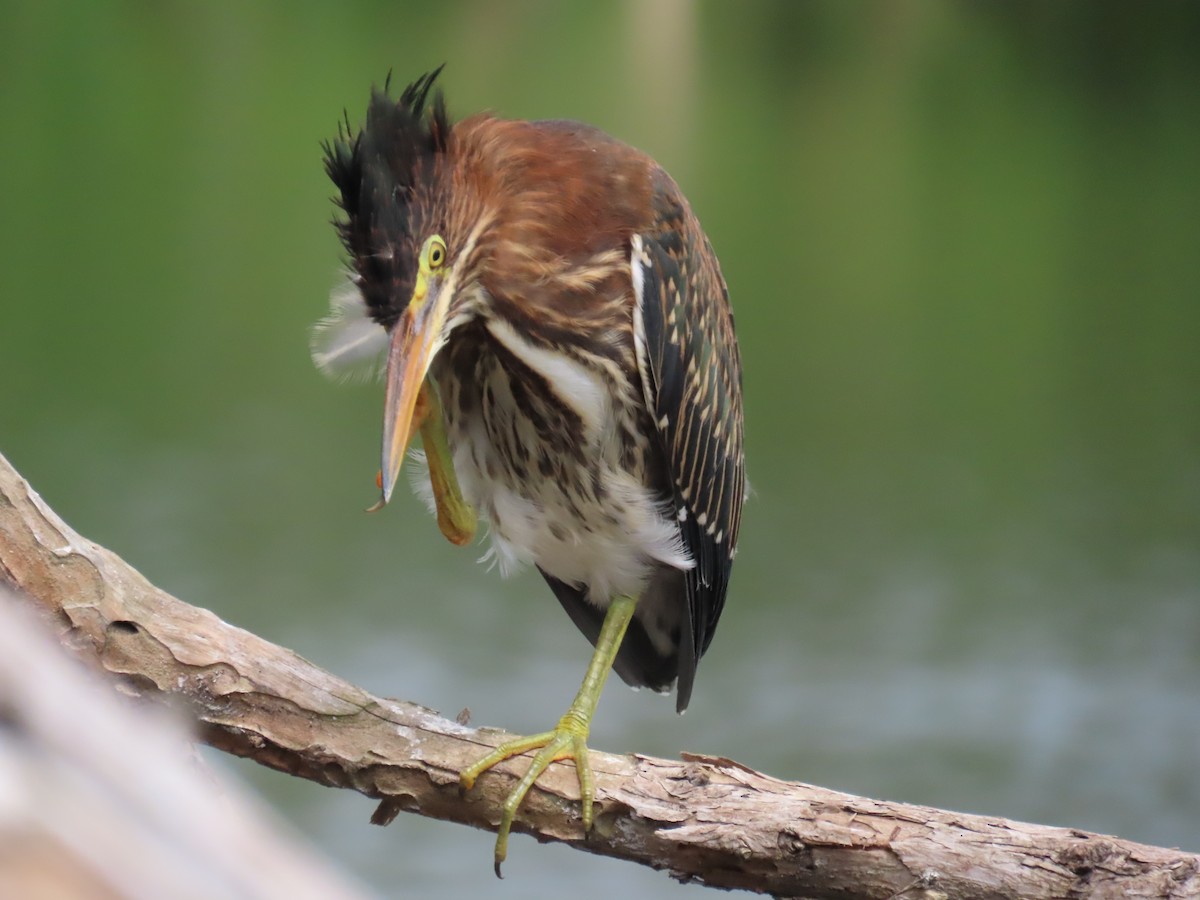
{"points": [[568, 740], [455, 516]]}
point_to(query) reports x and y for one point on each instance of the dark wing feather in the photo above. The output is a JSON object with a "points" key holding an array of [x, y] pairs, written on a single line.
{"points": [[638, 662], [692, 377]]}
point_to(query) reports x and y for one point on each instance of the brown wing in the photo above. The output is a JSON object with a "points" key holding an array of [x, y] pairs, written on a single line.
{"points": [[692, 376]]}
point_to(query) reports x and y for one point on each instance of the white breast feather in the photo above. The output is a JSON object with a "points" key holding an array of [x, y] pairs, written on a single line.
{"points": [[534, 522], [577, 386]]}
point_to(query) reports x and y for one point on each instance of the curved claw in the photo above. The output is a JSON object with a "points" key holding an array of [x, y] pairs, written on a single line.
{"points": [[567, 741]]}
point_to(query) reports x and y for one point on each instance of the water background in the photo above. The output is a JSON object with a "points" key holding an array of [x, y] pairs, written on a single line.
{"points": [[963, 245]]}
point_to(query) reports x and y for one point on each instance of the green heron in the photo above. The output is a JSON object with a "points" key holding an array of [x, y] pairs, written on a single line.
{"points": [[558, 331]]}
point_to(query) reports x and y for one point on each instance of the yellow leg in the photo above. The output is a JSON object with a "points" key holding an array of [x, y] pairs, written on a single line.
{"points": [[568, 740], [455, 517]]}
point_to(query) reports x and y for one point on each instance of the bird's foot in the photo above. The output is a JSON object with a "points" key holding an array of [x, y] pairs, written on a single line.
{"points": [[455, 517], [567, 741]]}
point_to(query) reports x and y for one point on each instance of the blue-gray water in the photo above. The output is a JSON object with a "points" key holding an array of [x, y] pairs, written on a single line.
{"points": [[961, 243]]}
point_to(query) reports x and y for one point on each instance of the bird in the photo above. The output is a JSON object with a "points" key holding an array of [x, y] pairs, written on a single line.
{"points": [[549, 316]]}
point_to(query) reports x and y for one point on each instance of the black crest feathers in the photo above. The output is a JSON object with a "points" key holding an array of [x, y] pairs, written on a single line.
{"points": [[376, 171]]}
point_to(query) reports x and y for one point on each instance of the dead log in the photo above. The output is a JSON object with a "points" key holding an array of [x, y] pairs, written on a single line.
{"points": [[702, 818]]}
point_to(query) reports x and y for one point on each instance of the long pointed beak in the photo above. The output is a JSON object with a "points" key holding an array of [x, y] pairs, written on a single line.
{"points": [[414, 343]]}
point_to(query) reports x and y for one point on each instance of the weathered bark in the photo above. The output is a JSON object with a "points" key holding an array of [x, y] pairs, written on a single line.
{"points": [[104, 799], [705, 819]]}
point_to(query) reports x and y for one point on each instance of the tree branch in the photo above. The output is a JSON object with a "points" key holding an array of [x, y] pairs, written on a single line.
{"points": [[103, 798], [706, 819]]}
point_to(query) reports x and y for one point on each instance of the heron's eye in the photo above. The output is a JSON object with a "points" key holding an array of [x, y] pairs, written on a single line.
{"points": [[437, 252]]}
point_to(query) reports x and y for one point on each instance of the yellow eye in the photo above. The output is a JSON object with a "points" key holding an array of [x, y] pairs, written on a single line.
{"points": [[436, 252]]}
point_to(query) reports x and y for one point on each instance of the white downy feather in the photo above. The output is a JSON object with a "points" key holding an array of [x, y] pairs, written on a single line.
{"points": [[348, 344]]}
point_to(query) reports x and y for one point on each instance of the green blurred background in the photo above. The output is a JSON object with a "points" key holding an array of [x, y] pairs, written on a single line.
{"points": [[963, 245]]}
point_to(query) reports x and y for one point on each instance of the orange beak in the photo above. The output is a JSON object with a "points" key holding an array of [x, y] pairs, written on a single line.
{"points": [[416, 339]]}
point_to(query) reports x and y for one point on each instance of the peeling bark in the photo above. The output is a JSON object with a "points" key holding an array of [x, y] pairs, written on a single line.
{"points": [[703, 819]]}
